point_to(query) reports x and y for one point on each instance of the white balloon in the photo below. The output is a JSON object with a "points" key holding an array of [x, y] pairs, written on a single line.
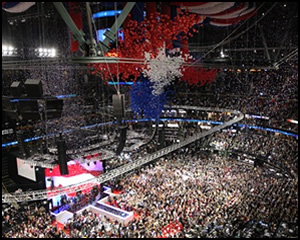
{"points": [[162, 70]]}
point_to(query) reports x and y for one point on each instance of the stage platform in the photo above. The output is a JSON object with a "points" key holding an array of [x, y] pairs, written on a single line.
{"points": [[99, 207]]}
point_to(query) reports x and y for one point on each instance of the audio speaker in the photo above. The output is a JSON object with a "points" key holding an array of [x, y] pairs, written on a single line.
{"points": [[161, 138], [54, 108], [119, 105], [34, 88], [10, 108], [16, 89], [123, 131], [104, 166], [22, 148], [29, 110], [62, 157]]}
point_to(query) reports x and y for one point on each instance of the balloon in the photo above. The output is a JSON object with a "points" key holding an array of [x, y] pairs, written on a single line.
{"points": [[143, 102], [162, 70], [198, 75], [147, 36]]}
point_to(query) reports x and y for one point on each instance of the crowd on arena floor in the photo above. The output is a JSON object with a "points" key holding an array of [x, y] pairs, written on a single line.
{"points": [[208, 195]]}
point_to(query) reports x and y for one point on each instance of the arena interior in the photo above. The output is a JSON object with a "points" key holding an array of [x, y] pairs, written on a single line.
{"points": [[149, 119]]}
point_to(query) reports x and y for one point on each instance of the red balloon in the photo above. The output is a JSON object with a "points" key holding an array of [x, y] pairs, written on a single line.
{"points": [[157, 34]]}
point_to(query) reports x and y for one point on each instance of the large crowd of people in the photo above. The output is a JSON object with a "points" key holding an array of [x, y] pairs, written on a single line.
{"points": [[279, 150], [192, 192], [29, 221], [269, 93], [208, 195]]}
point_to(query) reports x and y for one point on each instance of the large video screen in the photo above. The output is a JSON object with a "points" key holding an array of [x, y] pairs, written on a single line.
{"points": [[26, 170]]}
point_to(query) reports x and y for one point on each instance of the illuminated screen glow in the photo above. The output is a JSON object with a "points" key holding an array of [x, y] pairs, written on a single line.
{"points": [[25, 170], [101, 36]]}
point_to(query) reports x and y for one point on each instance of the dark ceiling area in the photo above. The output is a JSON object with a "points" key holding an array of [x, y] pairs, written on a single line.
{"points": [[274, 27]]}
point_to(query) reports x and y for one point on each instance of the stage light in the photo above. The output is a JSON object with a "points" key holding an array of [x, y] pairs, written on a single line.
{"points": [[8, 51], [222, 54], [53, 52], [45, 52]]}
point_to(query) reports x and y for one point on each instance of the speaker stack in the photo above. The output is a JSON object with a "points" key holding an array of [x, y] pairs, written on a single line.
{"points": [[161, 138], [22, 148], [119, 105], [54, 108], [34, 88], [16, 89], [29, 109], [123, 131], [62, 156], [10, 108]]}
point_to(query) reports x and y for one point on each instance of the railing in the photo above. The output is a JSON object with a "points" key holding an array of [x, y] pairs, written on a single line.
{"points": [[42, 194]]}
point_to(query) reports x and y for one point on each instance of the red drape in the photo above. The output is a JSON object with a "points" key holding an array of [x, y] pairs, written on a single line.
{"points": [[76, 15]]}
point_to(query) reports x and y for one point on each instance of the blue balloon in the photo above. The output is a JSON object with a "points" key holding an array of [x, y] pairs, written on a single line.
{"points": [[142, 101]]}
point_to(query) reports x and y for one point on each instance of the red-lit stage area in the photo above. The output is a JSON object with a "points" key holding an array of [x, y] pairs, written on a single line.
{"points": [[78, 172]]}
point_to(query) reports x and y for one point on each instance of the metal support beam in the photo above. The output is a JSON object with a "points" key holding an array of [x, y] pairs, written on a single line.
{"points": [[281, 44], [111, 35], [285, 58], [284, 38], [264, 43], [250, 49], [77, 34]]}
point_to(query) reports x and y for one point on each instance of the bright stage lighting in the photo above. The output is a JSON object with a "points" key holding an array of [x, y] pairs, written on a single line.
{"points": [[8, 51], [45, 52]]}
